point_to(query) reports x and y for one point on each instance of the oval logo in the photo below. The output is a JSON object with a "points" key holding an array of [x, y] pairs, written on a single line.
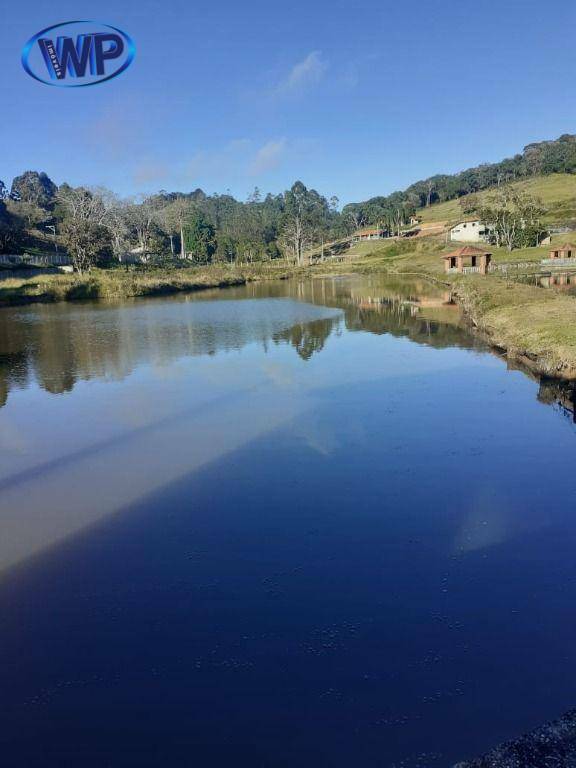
{"points": [[75, 54]]}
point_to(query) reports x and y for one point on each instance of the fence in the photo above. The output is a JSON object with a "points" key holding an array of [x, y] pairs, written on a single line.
{"points": [[33, 260], [558, 262], [515, 265], [558, 230], [463, 271]]}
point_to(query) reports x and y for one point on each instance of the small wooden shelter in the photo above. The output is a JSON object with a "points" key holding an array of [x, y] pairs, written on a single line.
{"points": [[467, 259], [369, 234], [565, 251]]}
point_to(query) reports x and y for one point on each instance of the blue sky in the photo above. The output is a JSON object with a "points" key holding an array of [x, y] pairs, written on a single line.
{"points": [[354, 99]]}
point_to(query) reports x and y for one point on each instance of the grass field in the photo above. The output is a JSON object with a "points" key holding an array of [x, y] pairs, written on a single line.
{"points": [[425, 254], [557, 192]]}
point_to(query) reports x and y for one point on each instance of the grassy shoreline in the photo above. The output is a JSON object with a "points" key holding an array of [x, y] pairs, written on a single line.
{"points": [[130, 283], [533, 326]]}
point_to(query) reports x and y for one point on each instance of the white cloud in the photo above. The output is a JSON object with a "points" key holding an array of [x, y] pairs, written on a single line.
{"points": [[269, 156], [237, 158], [234, 160], [303, 75]]}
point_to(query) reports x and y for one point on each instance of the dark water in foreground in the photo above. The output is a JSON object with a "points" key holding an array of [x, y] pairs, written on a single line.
{"points": [[288, 525]]}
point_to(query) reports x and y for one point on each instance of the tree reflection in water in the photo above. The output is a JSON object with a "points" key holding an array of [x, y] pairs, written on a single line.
{"points": [[57, 346]]}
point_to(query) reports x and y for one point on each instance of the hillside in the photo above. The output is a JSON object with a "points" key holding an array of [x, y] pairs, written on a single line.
{"points": [[546, 160], [557, 192]]}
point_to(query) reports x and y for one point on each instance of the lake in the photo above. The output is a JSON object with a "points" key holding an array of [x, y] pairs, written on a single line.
{"points": [[308, 523]]}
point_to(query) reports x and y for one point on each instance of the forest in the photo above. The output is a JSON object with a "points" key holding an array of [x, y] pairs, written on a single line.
{"points": [[96, 226]]}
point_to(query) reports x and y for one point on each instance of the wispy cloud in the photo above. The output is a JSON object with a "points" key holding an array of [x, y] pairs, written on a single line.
{"points": [[232, 161], [268, 157], [304, 75]]}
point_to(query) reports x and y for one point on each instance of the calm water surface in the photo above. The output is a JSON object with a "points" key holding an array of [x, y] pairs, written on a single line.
{"points": [[295, 524]]}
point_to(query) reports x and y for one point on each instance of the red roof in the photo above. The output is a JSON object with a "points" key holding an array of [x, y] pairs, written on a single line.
{"points": [[467, 250]]}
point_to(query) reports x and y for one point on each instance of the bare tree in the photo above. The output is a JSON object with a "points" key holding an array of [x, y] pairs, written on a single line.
{"points": [[294, 236], [174, 217], [83, 231], [304, 211], [116, 221], [357, 217], [430, 189], [82, 204], [140, 216]]}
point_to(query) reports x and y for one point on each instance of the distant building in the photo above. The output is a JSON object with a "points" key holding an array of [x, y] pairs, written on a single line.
{"points": [[565, 251], [470, 232], [369, 234], [558, 230], [467, 259], [558, 280]]}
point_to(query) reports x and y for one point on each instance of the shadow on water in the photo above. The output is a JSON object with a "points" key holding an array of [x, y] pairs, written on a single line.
{"points": [[351, 579]]}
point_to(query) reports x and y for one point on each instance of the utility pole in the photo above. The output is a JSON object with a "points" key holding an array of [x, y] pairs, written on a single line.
{"points": [[53, 228]]}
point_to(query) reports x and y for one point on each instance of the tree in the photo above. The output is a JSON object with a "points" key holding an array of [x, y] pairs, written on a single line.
{"points": [[354, 213], [11, 229], [469, 204], [429, 190], [31, 213], [514, 216], [116, 221], [303, 213], [166, 224], [86, 242], [83, 230], [264, 227], [82, 204], [35, 188], [140, 217], [173, 218], [225, 249], [199, 237], [255, 196]]}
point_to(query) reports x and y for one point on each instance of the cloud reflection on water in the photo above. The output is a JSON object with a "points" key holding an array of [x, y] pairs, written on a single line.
{"points": [[154, 390]]}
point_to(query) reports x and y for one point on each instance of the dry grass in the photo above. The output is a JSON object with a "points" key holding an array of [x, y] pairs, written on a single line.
{"points": [[122, 283]]}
